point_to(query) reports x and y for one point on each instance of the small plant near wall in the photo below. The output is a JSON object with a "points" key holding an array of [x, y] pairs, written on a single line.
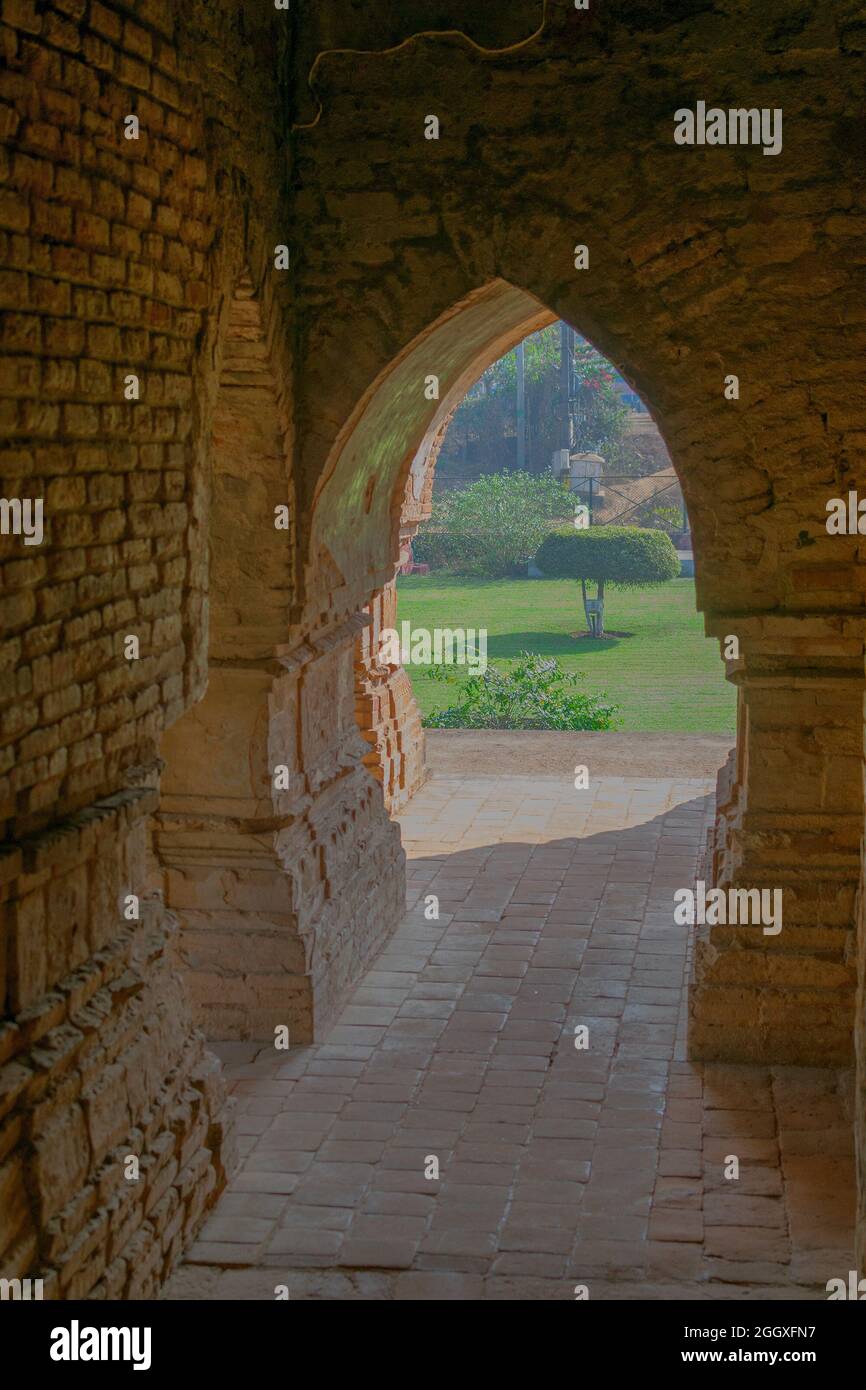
{"points": [[534, 693]]}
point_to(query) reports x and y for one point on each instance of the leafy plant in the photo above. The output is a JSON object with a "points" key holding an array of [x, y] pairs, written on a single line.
{"points": [[601, 416], [492, 528], [534, 693], [629, 557], [483, 432]]}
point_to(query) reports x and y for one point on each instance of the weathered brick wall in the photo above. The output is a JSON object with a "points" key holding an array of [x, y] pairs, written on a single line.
{"points": [[408, 257], [114, 253], [99, 1067]]}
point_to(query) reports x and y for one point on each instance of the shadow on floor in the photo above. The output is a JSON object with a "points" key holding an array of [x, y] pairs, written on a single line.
{"points": [[452, 1137]]}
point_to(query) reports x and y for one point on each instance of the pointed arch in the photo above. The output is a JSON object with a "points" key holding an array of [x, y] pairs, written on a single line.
{"points": [[380, 456]]}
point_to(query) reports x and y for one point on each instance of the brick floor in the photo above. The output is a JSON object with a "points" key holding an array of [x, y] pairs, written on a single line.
{"points": [[450, 1138]]}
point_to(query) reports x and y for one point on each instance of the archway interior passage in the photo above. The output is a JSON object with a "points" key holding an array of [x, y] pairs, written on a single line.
{"points": [[539, 917], [375, 481]]}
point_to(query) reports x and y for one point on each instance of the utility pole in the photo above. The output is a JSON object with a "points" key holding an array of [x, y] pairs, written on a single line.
{"points": [[565, 385], [521, 406]]}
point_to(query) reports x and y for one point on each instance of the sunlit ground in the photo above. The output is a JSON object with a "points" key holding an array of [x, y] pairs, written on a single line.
{"points": [[666, 676]]}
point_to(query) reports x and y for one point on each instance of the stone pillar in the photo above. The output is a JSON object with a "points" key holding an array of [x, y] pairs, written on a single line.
{"points": [[275, 846], [789, 816], [242, 955], [285, 893], [386, 710]]}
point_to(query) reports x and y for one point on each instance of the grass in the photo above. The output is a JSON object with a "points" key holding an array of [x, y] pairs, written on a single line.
{"points": [[666, 676]]}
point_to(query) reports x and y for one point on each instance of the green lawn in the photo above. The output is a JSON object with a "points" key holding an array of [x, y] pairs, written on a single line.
{"points": [[666, 676]]}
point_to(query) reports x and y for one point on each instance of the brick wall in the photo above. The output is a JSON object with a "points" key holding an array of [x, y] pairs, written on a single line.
{"points": [[113, 254], [408, 257]]}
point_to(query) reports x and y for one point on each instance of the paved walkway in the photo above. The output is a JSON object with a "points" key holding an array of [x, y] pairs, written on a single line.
{"points": [[558, 1165]]}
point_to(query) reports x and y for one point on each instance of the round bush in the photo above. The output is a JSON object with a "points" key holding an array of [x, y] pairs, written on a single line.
{"points": [[627, 556]]}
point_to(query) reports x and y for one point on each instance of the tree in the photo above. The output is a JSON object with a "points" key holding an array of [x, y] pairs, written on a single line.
{"points": [[493, 527], [482, 435], [628, 557], [600, 417]]}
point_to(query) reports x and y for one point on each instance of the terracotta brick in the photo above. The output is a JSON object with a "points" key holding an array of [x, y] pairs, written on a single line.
{"points": [[155, 258]]}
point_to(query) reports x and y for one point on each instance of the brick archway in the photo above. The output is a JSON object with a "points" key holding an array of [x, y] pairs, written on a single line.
{"points": [[755, 997], [704, 262]]}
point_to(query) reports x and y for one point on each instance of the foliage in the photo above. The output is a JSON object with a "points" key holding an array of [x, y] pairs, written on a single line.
{"points": [[493, 527], [534, 693], [482, 434], [661, 517], [432, 544], [601, 417], [625, 556], [665, 676]]}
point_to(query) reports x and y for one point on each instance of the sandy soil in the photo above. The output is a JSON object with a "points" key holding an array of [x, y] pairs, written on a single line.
{"points": [[516, 752]]}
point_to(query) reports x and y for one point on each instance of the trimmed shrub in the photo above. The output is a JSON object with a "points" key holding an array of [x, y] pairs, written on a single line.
{"points": [[628, 557]]}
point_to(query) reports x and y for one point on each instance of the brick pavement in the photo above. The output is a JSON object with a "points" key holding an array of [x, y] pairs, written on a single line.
{"points": [[558, 1165]]}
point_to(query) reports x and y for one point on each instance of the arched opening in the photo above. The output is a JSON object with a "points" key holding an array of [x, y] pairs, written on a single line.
{"points": [[668, 681], [750, 987], [557, 922], [498, 486]]}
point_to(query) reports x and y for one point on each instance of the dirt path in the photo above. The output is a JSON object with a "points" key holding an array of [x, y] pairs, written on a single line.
{"points": [[469, 752]]}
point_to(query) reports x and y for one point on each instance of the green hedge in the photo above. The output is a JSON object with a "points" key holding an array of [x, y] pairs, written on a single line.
{"points": [[627, 556], [534, 693]]}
